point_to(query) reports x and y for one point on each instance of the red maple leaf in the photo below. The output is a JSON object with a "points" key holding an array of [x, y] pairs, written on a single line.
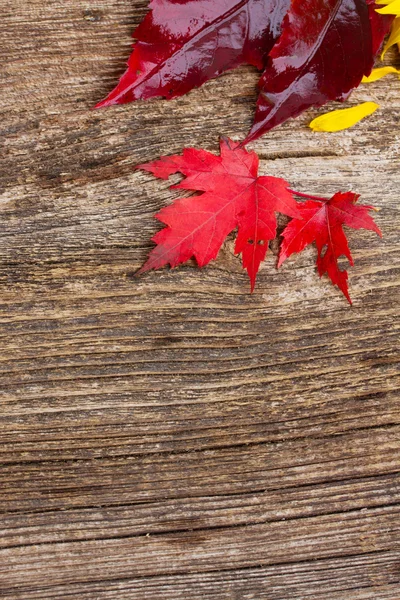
{"points": [[325, 48], [231, 195], [181, 44], [321, 221]]}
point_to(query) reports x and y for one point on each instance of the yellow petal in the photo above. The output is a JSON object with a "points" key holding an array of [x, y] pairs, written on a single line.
{"points": [[343, 119], [393, 8], [379, 73], [394, 37], [383, 1]]}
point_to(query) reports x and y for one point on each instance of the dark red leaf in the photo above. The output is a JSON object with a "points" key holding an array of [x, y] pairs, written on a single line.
{"points": [[325, 48], [380, 25], [183, 43], [232, 195], [321, 222]]}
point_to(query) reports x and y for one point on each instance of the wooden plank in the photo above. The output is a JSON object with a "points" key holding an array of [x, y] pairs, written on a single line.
{"points": [[194, 552], [199, 512], [364, 577], [234, 469], [172, 435]]}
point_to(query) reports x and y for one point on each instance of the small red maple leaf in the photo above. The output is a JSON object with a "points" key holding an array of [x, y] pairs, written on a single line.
{"points": [[231, 195], [321, 221]]}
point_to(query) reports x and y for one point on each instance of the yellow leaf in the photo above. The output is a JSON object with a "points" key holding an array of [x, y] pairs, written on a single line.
{"points": [[379, 73], [393, 8], [394, 37], [343, 119]]}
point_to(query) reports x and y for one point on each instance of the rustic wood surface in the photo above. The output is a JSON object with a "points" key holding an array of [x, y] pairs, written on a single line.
{"points": [[172, 436]]}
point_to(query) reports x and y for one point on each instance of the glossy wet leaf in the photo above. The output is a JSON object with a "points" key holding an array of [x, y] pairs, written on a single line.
{"points": [[181, 44], [325, 49]]}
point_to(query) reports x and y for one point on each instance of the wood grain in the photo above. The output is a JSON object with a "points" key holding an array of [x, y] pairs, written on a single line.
{"points": [[172, 436]]}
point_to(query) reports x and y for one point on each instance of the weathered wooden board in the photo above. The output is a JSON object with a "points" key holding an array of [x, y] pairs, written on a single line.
{"points": [[172, 436]]}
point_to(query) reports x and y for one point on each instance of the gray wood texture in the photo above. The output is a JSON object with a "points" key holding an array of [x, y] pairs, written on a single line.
{"points": [[172, 436]]}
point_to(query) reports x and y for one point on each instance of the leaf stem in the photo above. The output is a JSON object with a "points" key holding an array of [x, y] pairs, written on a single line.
{"points": [[309, 196]]}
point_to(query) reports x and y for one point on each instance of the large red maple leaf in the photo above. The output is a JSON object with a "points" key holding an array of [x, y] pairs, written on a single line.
{"points": [[183, 43], [321, 221], [231, 195]]}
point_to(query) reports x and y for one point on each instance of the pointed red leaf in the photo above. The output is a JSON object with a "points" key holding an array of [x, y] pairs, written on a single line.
{"points": [[321, 222], [325, 49], [232, 195], [181, 44]]}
